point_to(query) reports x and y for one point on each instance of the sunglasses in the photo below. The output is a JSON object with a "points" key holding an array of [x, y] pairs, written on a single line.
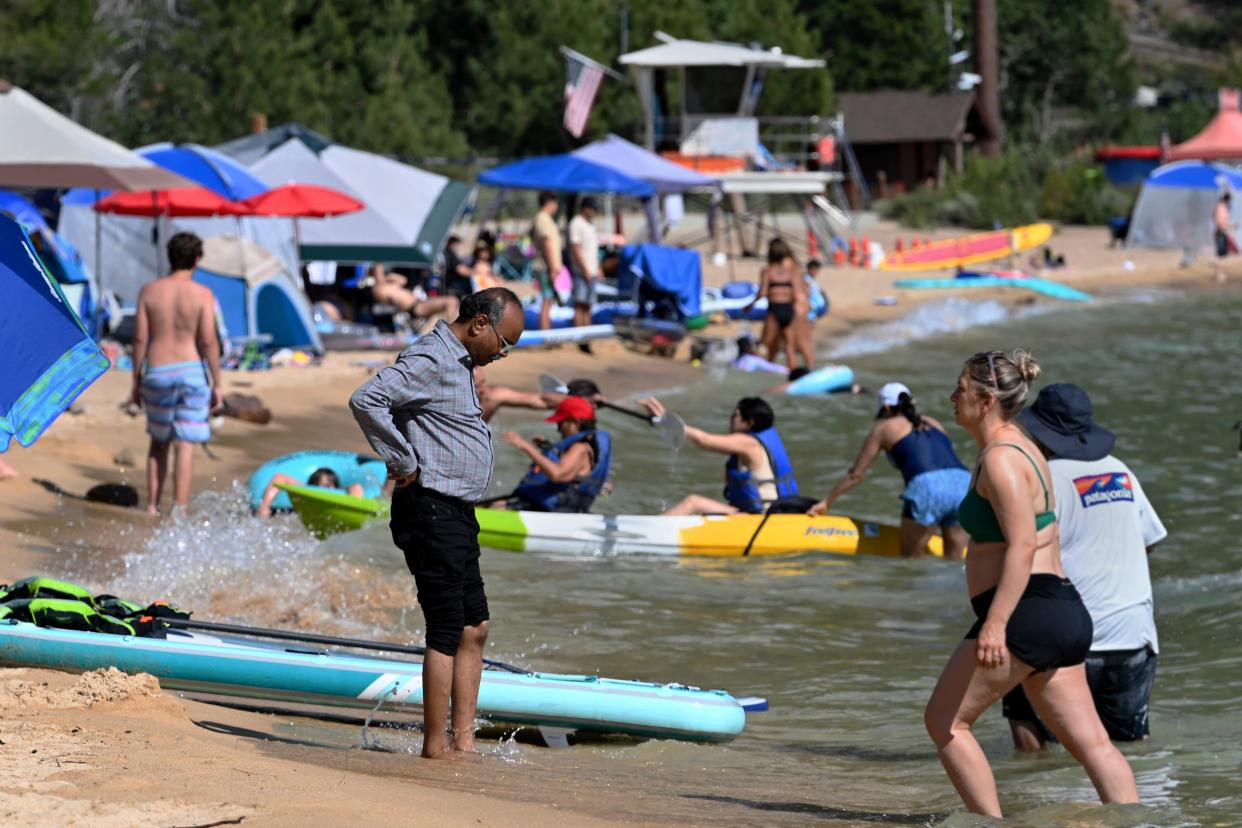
{"points": [[505, 345], [991, 367]]}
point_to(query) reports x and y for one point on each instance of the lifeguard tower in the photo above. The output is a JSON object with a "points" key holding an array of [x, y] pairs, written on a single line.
{"points": [[715, 129]]}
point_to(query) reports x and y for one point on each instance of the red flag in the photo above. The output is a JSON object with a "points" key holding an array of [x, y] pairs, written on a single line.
{"points": [[581, 84]]}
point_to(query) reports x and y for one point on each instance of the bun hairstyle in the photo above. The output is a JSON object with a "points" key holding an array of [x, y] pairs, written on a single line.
{"points": [[1007, 377]]}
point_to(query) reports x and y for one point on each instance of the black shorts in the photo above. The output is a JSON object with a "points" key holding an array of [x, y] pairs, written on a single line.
{"points": [[1222, 244], [1120, 682], [782, 312], [1049, 628], [440, 538]]}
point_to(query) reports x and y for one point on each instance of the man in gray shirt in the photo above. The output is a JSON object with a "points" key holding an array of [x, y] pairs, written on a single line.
{"points": [[422, 416]]}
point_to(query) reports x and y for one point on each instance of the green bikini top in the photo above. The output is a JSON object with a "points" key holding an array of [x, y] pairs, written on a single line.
{"points": [[979, 519]]}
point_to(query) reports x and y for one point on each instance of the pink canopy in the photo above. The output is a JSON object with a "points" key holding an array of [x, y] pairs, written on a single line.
{"points": [[1220, 140]]}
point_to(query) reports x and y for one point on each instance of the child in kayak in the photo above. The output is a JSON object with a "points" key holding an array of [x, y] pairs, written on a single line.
{"points": [[758, 472], [323, 477]]}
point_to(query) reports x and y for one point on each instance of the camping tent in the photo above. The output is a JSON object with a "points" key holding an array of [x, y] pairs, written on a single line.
{"points": [[59, 256], [127, 260], [624, 157], [1175, 208], [409, 211], [1221, 139], [257, 294]]}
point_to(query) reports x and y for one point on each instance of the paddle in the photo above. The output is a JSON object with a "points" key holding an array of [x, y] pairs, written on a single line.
{"points": [[311, 638], [671, 427]]}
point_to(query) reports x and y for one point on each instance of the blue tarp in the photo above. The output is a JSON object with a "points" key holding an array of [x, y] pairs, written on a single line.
{"points": [[49, 358], [632, 160], [652, 271], [1195, 175], [565, 174]]}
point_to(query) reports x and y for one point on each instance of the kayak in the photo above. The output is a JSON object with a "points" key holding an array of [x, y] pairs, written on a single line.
{"points": [[326, 512], [967, 250], [307, 674]]}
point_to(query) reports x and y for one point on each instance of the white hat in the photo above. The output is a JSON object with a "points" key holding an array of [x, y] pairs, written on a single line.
{"points": [[891, 391]]}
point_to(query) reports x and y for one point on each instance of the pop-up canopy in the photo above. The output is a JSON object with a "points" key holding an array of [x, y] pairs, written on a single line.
{"points": [[1221, 139], [633, 160], [1175, 208], [564, 174]]}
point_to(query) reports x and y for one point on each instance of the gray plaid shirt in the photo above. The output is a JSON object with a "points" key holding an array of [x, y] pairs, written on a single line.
{"points": [[421, 414]]}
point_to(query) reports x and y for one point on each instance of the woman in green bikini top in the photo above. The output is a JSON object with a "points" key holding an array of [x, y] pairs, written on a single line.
{"points": [[1032, 627]]}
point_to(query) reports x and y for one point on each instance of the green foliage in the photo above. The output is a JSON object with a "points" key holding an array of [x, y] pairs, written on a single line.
{"points": [[882, 44], [1080, 193]]}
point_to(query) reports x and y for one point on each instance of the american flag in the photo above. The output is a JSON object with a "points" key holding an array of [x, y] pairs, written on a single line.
{"points": [[581, 84]]}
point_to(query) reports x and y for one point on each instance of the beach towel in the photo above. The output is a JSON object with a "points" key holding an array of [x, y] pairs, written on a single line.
{"points": [[176, 398]]}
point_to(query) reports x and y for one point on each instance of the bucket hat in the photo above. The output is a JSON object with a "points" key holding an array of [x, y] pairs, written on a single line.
{"points": [[1061, 418]]}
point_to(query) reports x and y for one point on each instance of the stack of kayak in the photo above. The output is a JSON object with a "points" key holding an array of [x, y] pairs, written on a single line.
{"points": [[326, 512], [58, 626]]}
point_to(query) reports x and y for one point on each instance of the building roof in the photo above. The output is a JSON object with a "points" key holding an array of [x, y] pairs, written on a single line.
{"points": [[674, 52], [893, 116]]}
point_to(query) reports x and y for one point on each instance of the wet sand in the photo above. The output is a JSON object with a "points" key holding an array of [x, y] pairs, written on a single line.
{"points": [[117, 751]]}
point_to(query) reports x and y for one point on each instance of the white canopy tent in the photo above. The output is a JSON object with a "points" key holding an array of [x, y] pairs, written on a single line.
{"points": [[39, 147]]}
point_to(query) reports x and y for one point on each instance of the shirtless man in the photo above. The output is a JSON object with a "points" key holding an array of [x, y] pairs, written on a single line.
{"points": [[1223, 238], [393, 289], [174, 333]]}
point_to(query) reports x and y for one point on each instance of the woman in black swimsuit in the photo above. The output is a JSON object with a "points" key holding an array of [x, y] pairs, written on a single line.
{"points": [[785, 290], [1032, 627]]}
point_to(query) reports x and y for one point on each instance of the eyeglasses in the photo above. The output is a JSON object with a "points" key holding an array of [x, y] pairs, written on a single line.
{"points": [[505, 345]]}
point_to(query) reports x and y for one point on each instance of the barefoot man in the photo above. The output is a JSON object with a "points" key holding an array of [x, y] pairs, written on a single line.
{"points": [[422, 416], [174, 334]]}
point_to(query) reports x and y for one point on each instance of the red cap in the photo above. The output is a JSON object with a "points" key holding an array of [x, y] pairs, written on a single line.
{"points": [[573, 408]]}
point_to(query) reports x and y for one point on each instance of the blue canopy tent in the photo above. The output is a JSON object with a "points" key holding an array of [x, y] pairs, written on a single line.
{"points": [[59, 256], [49, 358], [564, 174], [666, 282], [1175, 207]]}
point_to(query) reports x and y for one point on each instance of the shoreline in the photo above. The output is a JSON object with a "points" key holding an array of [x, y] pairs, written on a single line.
{"points": [[221, 776]]}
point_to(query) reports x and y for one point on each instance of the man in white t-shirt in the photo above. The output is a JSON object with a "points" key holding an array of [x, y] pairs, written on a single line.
{"points": [[1107, 528], [584, 262]]}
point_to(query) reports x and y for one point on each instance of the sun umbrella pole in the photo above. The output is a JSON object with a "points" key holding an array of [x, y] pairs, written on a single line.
{"points": [[98, 286]]}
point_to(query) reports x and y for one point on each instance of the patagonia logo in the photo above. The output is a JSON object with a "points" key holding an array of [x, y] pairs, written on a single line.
{"points": [[1104, 488], [829, 532]]}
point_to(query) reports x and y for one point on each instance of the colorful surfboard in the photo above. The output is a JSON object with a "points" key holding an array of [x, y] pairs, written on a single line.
{"points": [[968, 250]]}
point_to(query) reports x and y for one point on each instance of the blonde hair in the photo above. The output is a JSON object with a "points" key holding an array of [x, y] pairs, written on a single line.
{"points": [[1007, 377]]}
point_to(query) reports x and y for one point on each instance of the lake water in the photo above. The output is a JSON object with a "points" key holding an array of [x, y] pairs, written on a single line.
{"points": [[846, 650]]}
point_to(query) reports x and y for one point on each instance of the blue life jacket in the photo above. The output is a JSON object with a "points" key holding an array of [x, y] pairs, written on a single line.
{"points": [[741, 487], [540, 494]]}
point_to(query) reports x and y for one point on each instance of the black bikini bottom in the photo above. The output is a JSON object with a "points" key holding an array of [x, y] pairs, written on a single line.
{"points": [[783, 312], [1049, 628]]}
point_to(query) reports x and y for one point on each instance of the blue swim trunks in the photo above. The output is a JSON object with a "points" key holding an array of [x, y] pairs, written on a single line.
{"points": [[177, 398], [932, 497]]}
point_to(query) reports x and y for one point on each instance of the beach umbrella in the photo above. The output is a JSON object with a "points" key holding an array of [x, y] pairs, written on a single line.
{"points": [[49, 358], [39, 147], [302, 201], [213, 170], [175, 203]]}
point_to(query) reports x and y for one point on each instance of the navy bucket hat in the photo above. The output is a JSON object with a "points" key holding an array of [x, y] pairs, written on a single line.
{"points": [[1061, 419]]}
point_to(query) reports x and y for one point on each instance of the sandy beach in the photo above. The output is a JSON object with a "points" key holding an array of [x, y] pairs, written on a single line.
{"points": [[114, 750]]}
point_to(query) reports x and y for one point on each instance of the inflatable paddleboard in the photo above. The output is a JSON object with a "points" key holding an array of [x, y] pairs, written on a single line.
{"points": [[968, 250], [592, 535], [1046, 287], [307, 674], [534, 337], [825, 380]]}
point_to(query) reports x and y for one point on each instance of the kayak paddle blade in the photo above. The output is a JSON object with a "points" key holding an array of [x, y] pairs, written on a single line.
{"points": [[549, 384], [672, 430]]}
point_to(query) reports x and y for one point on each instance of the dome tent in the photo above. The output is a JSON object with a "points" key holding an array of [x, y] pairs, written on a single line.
{"points": [[1174, 210], [257, 294]]}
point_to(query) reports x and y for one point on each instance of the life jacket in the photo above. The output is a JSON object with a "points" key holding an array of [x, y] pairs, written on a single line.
{"points": [[64, 614], [40, 586], [541, 494], [742, 489], [48, 602]]}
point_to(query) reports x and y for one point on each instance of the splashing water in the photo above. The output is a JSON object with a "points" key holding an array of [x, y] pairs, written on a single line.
{"points": [[924, 322]]}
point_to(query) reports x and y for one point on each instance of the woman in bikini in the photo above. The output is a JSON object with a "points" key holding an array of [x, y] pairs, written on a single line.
{"points": [[1032, 627], [785, 292]]}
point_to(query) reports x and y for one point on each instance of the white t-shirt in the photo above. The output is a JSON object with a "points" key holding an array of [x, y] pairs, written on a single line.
{"points": [[582, 236], [1106, 526]]}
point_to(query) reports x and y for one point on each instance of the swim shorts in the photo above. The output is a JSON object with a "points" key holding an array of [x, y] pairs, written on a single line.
{"points": [[177, 398], [1049, 628], [440, 538], [1120, 682], [932, 498], [1222, 244], [583, 292]]}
